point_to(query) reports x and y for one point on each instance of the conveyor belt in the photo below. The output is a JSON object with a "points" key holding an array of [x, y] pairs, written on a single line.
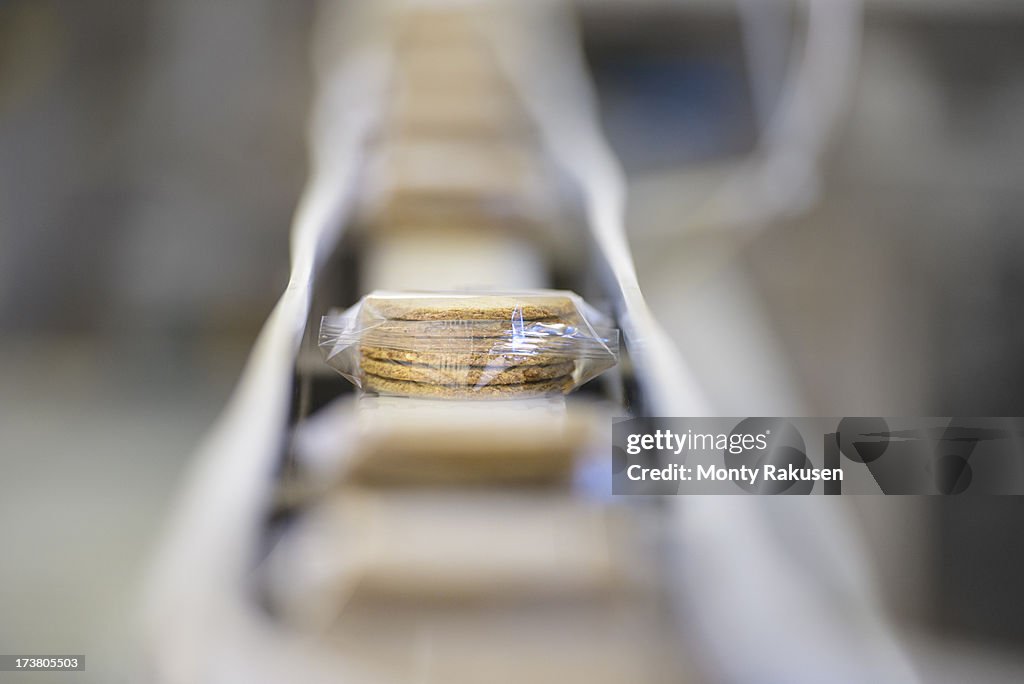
{"points": [[326, 535]]}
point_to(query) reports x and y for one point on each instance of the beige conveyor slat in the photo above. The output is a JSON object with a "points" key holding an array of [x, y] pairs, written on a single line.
{"points": [[420, 258], [562, 642], [400, 441], [455, 89], [409, 176], [436, 546], [422, 109]]}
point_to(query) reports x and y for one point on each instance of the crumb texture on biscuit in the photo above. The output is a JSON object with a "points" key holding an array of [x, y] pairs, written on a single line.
{"points": [[498, 307], [458, 373], [407, 388], [396, 331], [488, 354]]}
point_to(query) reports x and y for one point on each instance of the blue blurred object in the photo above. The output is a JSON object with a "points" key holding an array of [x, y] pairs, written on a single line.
{"points": [[664, 110]]}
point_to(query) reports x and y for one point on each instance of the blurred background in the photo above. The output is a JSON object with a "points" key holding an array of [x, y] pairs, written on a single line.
{"points": [[863, 257]]}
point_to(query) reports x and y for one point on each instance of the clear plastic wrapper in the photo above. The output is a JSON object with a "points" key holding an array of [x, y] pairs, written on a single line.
{"points": [[462, 345]]}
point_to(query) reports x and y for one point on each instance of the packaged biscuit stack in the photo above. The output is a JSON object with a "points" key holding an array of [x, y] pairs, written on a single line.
{"points": [[469, 345]]}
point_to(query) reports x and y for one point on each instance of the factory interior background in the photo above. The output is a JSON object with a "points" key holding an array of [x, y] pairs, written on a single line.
{"points": [[152, 153]]}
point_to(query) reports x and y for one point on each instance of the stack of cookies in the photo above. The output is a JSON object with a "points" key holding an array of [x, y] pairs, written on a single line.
{"points": [[459, 346]]}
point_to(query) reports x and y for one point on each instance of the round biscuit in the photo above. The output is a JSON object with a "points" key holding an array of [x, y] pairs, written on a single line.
{"points": [[472, 308], [376, 333], [486, 353], [459, 374], [419, 389]]}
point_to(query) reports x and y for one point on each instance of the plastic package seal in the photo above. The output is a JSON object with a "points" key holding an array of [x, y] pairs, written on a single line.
{"points": [[465, 345]]}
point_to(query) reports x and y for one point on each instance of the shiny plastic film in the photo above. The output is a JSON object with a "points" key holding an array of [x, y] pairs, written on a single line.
{"points": [[469, 345]]}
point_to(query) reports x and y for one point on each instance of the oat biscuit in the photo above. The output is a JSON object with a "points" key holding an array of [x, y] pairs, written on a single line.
{"points": [[462, 329], [492, 353], [419, 389], [499, 308], [461, 374]]}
